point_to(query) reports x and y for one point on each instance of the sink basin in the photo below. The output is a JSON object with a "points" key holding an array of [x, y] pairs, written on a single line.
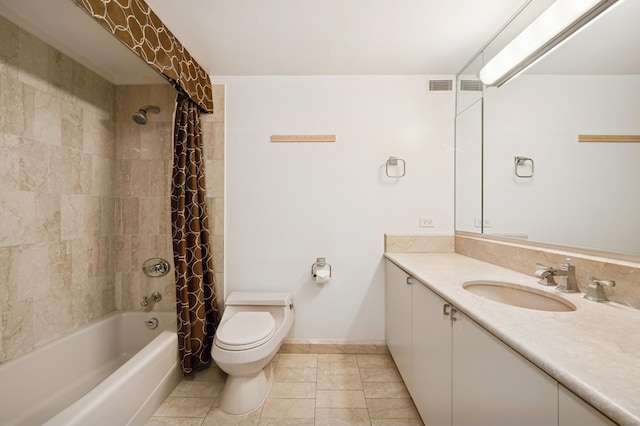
{"points": [[519, 295]]}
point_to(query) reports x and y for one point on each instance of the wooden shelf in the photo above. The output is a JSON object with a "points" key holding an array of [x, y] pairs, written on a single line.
{"points": [[303, 138], [608, 138]]}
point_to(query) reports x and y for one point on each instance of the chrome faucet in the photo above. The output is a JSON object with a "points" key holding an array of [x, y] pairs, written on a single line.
{"points": [[155, 297], [595, 292], [546, 274], [567, 281]]}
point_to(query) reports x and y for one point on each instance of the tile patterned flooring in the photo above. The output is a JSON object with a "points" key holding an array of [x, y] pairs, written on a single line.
{"points": [[328, 389]]}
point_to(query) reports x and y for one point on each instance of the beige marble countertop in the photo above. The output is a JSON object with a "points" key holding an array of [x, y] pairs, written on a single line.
{"points": [[594, 351]]}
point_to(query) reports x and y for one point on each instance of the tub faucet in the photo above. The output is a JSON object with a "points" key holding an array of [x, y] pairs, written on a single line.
{"points": [[567, 278]]}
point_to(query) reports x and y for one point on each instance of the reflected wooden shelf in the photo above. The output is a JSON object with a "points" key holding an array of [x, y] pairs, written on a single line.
{"points": [[608, 138], [303, 138]]}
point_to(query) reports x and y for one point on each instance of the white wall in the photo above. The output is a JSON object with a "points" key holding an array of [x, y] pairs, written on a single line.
{"points": [[582, 194], [289, 203]]}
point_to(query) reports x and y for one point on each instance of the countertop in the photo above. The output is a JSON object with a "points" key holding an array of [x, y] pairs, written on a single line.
{"points": [[593, 351]]}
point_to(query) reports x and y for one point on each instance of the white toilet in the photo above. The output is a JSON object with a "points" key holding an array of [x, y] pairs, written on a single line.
{"points": [[251, 330]]}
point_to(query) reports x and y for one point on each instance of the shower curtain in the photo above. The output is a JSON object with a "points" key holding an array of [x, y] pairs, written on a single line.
{"points": [[196, 302]]}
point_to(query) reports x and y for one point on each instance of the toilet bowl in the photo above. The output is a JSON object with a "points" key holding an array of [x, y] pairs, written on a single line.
{"points": [[251, 331]]}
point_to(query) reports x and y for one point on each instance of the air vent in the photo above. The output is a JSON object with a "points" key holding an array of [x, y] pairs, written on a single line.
{"points": [[442, 86], [470, 85]]}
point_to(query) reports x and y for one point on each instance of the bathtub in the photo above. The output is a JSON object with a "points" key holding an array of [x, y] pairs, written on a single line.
{"points": [[113, 371]]}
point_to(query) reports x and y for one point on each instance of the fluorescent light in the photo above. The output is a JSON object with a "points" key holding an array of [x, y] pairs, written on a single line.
{"points": [[562, 19]]}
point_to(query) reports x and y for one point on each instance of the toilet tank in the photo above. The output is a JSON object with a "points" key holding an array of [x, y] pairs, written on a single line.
{"points": [[256, 298]]}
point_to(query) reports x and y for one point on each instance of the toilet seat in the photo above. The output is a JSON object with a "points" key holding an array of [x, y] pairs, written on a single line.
{"points": [[245, 330]]}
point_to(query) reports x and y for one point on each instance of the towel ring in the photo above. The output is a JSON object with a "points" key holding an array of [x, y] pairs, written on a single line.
{"points": [[522, 161], [394, 161]]}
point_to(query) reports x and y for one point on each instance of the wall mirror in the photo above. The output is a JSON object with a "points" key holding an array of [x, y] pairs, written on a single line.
{"points": [[579, 194]]}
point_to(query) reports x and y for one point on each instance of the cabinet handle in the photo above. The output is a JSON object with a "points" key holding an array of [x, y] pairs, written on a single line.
{"points": [[454, 311], [445, 309], [409, 280]]}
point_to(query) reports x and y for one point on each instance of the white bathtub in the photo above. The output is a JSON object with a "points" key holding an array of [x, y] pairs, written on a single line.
{"points": [[113, 371]]}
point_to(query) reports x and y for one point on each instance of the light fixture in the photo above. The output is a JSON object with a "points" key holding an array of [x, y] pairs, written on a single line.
{"points": [[562, 19]]}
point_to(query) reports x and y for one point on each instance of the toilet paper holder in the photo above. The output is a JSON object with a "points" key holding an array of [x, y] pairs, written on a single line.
{"points": [[321, 262]]}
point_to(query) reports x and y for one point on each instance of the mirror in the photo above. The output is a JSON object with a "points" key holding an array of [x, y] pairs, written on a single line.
{"points": [[581, 194]]}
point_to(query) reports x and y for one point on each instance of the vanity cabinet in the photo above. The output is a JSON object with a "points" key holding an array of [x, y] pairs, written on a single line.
{"points": [[494, 385], [431, 355], [418, 335], [573, 410], [398, 319], [458, 373]]}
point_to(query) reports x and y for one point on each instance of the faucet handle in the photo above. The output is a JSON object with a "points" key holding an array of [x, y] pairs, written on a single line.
{"points": [[595, 292], [567, 265], [545, 274], [567, 281], [598, 281]]}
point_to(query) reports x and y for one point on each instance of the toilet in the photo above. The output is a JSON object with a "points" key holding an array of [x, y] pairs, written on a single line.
{"points": [[251, 331]]}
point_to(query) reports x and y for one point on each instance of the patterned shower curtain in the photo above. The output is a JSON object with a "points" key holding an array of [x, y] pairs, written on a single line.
{"points": [[196, 302]]}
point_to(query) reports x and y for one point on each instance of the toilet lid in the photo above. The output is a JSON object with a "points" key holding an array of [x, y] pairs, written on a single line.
{"points": [[245, 330]]}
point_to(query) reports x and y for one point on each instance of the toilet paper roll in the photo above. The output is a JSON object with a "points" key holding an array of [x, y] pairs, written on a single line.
{"points": [[322, 275]]}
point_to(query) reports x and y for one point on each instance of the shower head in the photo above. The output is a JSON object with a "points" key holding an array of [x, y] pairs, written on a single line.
{"points": [[140, 117]]}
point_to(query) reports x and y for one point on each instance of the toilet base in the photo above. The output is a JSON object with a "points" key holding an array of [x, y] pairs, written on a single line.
{"points": [[241, 395]]}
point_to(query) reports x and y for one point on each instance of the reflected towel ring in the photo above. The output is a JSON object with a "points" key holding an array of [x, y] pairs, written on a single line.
{"points": [[522, 161]]}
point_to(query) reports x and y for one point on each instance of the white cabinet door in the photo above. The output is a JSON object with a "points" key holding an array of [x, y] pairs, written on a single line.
{"points": [[493, 385], [573, 410], [398, 319], [431, 381]]}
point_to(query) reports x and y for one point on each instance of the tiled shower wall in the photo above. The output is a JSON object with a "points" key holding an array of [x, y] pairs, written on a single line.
{"points": [[142, 189], [56, 199], [84, 192]]}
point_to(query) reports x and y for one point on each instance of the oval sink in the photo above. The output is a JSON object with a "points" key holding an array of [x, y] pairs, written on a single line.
{"points": [[519, 295]]}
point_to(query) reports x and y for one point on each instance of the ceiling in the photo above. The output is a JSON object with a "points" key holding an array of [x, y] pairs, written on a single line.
{"points": [[282, 37], [69, 29], [313, 37], [308, 37]]}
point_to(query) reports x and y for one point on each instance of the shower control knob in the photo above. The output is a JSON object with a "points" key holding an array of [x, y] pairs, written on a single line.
{"points": [[156, 267]]}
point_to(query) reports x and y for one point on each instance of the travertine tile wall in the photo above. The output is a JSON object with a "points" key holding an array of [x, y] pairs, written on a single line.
{"points": [[425, 243], [84, 192], [213, 131], [56, 198], [142, 190]]}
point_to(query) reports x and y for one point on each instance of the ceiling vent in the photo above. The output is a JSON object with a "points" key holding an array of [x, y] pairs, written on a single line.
{"points": [[467, 85], [440, 86]]}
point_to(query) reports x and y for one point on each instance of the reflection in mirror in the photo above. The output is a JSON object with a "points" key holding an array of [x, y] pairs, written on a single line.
{"points": [[556, 24], [469, 149], [583, 194]]}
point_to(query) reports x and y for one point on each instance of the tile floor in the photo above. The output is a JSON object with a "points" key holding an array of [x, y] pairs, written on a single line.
{"points": [[308, 389]]}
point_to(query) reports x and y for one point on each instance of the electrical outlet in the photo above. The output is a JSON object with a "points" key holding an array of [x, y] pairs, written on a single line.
{"points": [[427, 222], [479, 223]]}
